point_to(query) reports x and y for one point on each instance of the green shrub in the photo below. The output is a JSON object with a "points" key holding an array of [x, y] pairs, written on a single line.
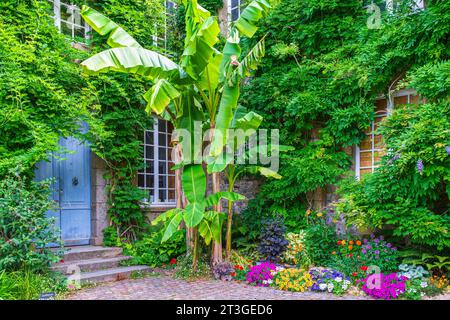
{"points": [[320, 241], [27, 285], [184, 268], [25, 231], [150, 251]]}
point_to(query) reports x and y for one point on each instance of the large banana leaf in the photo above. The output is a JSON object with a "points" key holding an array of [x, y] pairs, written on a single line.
{"points": [[251, 60], [194, 213], [249, 121], [266, 172], [194, 183], [199, 47], [210, 228], [160, 95], [209, 78], [172, 227], [140, 61], [214, 199], [191, 114], [103, 25], [227, 106], [255, 11], [219, 163]]}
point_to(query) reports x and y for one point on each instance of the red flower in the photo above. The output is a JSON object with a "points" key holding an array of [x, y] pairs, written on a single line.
{"points": [[233, 274], [339, 242], [173, 261], [61, 261], [237, 267], [354, 274], [363, 268], [241, 268], [350, 255]]}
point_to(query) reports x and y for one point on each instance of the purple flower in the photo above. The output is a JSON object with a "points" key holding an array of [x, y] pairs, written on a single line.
{"points": [[376, 240], [388, 245], [363, 251], [447, 149], [377, 252], [420, 165], [365, 241]]}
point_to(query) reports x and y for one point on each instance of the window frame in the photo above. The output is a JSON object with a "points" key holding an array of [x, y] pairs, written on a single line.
{"points": [[155, 203], [389, 109], [231, 8], [57, 20]]}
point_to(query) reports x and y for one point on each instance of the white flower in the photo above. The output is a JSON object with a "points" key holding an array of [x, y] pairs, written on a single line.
{"points": [[338, 279], [346, 282], [345, 287], [330, 287], [424, 284], [269, 281], [279, 268], [322, 286], [264, 281]]}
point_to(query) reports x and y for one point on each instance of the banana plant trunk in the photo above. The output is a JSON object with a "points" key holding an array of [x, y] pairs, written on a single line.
{"points": [[216, 256], [217, 245]]}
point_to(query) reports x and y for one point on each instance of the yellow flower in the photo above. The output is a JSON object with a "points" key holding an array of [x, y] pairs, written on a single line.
{"points": [[320, 214]]}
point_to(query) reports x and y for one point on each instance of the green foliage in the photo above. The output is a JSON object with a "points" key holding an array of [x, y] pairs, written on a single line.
{"points": [[184, 268], [320, 241], [150, 251], [26, 285], [25, 231], [43, 94], [410, 191], [318, 86]]}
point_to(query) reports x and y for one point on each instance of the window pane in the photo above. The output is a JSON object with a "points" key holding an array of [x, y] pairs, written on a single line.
{"points": [[162, 125], [162, 153], [66, 28], [162, 139], [172, 182], [149, 152], [366, 144], [234, 14], [163, 195], [162, 168], [149, 137], [141, 180], [150, 168], [149, 181], [366, 159], [172, 195], [162, 182]]}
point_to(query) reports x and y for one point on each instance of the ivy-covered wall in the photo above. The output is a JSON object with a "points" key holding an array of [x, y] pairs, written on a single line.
{"points": [[323, 71]]}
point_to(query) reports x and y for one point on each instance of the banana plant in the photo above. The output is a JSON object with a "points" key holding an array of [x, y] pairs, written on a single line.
{"points": [[197, 213], [203, 75]]}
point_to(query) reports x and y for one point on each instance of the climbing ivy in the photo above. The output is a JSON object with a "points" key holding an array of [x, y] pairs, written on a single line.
{"points": [[322, 75]]}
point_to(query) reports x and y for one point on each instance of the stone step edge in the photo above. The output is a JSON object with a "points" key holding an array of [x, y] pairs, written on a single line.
{"points": [[113, 274], [84, 262]]}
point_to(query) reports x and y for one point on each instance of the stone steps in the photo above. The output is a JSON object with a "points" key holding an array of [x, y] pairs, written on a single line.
{"points": [[93, 264], [114, 274]]}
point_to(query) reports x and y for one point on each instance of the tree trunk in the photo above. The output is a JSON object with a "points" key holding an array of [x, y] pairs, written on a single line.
{"points": [[229, 226], [216, 256]]}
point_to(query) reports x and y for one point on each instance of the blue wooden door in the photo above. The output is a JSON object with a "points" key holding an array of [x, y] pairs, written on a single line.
{"points": [[71, 190]]}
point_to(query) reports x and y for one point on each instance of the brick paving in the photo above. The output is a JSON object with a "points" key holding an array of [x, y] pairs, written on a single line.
{"points": [[167, 288]]}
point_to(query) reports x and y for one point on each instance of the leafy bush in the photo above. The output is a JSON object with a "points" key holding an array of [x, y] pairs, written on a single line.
{"points": [[378, 252], [150, 251], [262, 274], [320, 241], [184, 268], [295, 280], [27, 285], [240, 272], [273, 243], [295, 247], [25, 231], [412, 272]]}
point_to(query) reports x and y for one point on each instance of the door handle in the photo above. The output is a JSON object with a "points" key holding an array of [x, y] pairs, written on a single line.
{"points": [[75, 181]]}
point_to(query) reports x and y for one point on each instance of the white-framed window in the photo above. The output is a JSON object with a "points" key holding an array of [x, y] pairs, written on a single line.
{"points": [[369, 152], [235, 8], [68, 20], [415, 5], [157, 178], [161, 38]]}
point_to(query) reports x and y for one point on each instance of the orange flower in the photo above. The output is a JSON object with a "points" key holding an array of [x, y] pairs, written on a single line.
{"points": [[334, 252], [350, 247], [358, 243], [308, 212], [343, 242], [350, 242]]}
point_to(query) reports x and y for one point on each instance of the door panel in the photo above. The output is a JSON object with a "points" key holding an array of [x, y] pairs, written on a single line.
{"points": [[71, 190], [75, 192]]}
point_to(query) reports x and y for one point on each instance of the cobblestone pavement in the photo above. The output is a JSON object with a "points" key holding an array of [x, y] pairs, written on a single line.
{"points": [[168, 288]]}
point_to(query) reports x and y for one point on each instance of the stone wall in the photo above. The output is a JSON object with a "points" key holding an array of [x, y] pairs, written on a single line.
{"points": [[99, 217]]}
